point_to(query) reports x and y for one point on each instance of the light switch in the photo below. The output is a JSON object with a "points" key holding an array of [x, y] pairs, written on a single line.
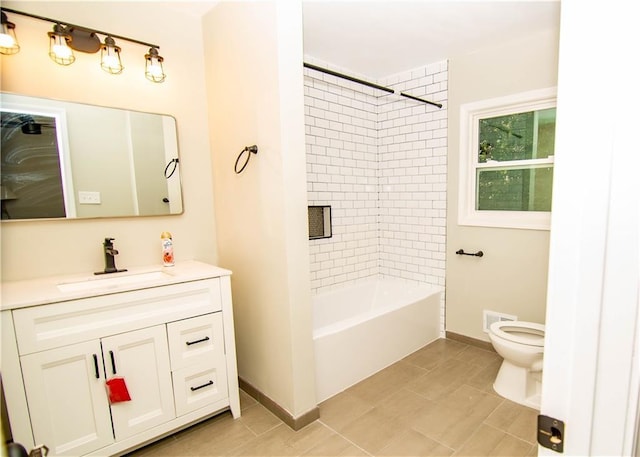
{"points": [[88, 198]]}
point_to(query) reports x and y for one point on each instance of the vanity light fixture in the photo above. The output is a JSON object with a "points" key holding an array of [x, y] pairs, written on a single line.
{"points": [[59, 49], [8, 41], [67, 38], [153, 69], [110, 57]]}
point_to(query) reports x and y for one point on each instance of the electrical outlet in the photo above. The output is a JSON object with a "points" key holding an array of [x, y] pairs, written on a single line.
{"points": [[88, 198]]}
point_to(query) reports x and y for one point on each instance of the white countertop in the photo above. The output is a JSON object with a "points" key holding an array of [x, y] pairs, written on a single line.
{"points": [[39, 291]]}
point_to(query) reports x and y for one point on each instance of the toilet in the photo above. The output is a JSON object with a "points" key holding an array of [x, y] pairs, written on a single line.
{"points": [[521, 344]]}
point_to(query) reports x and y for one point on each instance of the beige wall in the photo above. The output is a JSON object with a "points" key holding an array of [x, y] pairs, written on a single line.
{"points": [[31, 249], [512, 276], [147, 140], [101, 162], [253, 55]]}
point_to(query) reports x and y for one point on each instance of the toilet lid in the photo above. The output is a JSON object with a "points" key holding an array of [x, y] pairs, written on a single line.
{"points": [[527, 333]]}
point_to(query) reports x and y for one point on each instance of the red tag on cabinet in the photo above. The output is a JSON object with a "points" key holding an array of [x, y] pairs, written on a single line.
{"points": [[117, 390]]}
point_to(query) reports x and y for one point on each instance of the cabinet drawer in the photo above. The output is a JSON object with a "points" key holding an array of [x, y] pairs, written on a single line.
{"points": [[58, 324], [199, 385], [196, 340]]}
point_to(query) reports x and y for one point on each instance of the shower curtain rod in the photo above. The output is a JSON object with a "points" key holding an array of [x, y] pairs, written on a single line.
{"points": [[367, 83]]}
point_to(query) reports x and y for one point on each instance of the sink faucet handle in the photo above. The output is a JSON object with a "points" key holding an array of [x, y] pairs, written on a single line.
{"points": [[108, 241]]}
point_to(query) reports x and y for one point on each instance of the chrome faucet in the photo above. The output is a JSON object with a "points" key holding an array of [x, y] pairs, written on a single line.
{"points": [[109, 257]]}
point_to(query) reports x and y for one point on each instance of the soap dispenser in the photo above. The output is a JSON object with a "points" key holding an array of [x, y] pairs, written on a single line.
{"points": [[167, 249]]}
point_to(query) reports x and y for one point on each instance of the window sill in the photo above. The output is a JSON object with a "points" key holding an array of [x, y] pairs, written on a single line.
{"points": [[528, 220]]}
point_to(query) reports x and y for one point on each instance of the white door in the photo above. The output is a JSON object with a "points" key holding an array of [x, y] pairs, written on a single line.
{"points": [[591, 365], [67, 401], [142, 359]]}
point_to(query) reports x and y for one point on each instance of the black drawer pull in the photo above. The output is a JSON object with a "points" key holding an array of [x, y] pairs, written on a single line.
{"points": [[202, 340], [210, 383], [95, 364]]}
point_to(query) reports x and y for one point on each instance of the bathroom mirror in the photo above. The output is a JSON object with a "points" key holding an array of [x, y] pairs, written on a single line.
{"points": [[71, 160]]}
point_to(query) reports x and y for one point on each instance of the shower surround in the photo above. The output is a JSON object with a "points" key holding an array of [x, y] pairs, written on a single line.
{"points": [[380, 161]]}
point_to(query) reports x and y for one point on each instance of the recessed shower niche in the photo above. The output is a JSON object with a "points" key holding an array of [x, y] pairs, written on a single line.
{"points": [[319, 222]]}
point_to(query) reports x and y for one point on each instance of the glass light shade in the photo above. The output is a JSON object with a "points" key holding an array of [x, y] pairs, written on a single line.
{"points": [[59, 50], [110, 57], [8, 41], [153, 70]]}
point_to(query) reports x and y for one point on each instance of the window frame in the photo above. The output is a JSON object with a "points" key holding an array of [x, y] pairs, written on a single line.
{"points": [[470, 116]]}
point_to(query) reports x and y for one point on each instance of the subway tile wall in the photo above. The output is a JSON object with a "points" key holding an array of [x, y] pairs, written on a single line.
{"points": [[412, 172], [380, 161], [342, 171]]}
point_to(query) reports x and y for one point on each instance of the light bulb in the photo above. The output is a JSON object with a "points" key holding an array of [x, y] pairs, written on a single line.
{"points": [[155, 70], [6, 41], [62, 51], [110, 62]]}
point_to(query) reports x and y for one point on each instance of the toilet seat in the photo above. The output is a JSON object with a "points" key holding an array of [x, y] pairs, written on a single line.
{"points": [[527, 333]]}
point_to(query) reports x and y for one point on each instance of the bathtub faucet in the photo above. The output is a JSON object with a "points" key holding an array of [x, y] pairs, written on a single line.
{"points": [[109, 257]]}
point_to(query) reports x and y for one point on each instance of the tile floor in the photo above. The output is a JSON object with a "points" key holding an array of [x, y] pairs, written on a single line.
{"points": [[437, 401]]}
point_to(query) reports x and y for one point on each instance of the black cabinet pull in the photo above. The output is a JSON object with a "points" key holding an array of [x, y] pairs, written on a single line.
{"points": [[193, 389], [113, 362], [202, 340], [95, 365]]}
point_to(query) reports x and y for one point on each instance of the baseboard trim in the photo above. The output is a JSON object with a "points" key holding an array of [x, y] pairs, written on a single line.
{"points": [[487, 346], [295, 423]]}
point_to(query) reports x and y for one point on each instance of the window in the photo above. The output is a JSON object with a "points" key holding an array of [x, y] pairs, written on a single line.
{"points": [[506, 161]]}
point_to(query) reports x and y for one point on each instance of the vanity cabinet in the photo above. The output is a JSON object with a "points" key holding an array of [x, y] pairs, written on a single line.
{"points": [[173, 345]]}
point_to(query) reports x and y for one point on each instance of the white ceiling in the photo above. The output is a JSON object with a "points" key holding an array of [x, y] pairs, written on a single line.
{"points": [[381, 38], [378, 38]]}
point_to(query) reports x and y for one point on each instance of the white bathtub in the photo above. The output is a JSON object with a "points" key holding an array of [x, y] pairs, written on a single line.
{"points": [[363, 328]]}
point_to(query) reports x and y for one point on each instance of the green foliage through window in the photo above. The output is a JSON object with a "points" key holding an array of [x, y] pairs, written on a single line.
{"points": [[524, 189], [504, 179]]}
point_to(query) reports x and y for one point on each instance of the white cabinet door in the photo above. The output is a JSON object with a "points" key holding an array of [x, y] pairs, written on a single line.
{"points": [[141, 357], [67, 402]]}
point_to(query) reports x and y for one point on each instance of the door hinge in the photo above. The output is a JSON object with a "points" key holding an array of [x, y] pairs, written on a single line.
{"points": [[551, 433]]}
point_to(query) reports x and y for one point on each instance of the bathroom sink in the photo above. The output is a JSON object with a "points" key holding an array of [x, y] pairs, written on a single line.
{"points": [[111, 281]]}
